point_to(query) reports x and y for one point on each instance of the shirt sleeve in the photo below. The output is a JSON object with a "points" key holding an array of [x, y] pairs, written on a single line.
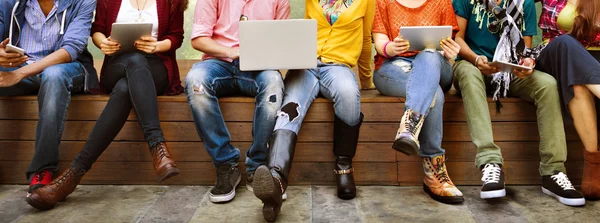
{"points": [[175, 30], [381, 20], [283, 10], [461, 8], [205, 18], [530, 17], [3, 8], [449, 17], [99, 24], [366, 57], [76, 36]]}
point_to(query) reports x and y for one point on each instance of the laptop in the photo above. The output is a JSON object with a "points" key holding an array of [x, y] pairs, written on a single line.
{"points": [[425, 37], [278, 44]]}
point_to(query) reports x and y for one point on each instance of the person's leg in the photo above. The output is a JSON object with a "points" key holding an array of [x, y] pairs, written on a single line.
{"points": [[338, 84], [583, 110], [267, 88], [270, 181], [542, 89], [58, 82], [471, 83], [206, 81]]}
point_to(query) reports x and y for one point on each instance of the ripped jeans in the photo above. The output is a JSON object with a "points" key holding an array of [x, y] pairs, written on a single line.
{"points": [[334, 81], [213, 78], [422, 79]]}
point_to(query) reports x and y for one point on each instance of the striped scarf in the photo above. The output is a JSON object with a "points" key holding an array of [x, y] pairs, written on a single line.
{"points": [[511, 47]]}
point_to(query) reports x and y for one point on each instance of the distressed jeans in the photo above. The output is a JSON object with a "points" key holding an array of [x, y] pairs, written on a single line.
{"points": [[334, 81], [213, 78], [422, 80], [53, 87], [539, 88]]}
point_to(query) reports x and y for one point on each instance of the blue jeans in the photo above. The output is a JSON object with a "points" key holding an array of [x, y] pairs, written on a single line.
{"points": [[335, 82], [421, 79], [54, 87], [213, 78]]}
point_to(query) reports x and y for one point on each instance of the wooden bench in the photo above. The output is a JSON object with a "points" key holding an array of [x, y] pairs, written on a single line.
{"points": [[128, 161]]}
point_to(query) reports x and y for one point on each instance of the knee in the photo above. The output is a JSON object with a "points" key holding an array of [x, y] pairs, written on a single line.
{"points": [[565, 39], [544, 85], [120, 89], [581, 91], [467, 74], [135, 59], [429, 56], [270, 82], [54, 75], [198, 82]]}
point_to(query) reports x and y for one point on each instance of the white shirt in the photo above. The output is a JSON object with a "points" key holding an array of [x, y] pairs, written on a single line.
{"points": [[129, 14]]}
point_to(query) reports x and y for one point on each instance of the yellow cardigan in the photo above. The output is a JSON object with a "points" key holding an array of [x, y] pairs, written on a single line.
{"points": [[348, 41]]}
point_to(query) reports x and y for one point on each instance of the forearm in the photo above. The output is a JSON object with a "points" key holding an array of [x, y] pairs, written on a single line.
{"points": [[97, 38], [58, 57], [211, 47]]}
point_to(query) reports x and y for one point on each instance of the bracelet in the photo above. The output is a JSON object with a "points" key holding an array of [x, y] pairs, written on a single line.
{"points": [[385, 54], [477, 59]]}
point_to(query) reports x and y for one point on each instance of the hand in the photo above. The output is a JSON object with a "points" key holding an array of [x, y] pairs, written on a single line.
{"points": [[147, 44], [9, 78], [450, 48], [398, 46], [109, 47], [522, 73], [484, 67], [10, 60], [233, 53]]}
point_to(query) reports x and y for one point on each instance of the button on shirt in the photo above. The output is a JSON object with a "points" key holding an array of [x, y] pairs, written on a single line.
{"points": [[40, 34], [219, 19]]}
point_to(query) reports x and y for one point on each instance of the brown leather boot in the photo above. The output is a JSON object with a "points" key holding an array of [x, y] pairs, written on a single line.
{"points": [[590, 185], [45, 198], [164, 166]]}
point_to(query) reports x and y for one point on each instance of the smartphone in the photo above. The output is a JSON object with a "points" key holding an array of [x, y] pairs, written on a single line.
{"points": [[13, 49]]}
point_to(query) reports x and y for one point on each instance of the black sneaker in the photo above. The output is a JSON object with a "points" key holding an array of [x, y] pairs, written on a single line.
{"points": [[228, 177], [559, 187], [493, 181]]}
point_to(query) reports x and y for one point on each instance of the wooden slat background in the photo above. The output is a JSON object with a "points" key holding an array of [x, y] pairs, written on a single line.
{"points": [[127, 160]]}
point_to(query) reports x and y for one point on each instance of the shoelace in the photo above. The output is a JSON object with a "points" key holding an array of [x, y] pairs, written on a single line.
{"points": [[40, 176], [64, 177], [162, 152], [491, 173], [223, 176], [440, 172], [563, 181], [411, 121]]}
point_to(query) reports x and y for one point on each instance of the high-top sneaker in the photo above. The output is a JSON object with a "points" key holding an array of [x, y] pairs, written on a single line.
{"points": [[559, 186], [407, 137], [493, 181], [39, 180], [228, 178], [45, 198], [590, 184], [437, 182]]}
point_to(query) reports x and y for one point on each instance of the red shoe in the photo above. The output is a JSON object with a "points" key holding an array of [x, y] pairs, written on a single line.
{"points": [[39, 180]]}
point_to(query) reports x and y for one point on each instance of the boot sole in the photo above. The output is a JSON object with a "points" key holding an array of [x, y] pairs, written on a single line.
{"points": [[492, 194], [566, 201], [265, 190], [443, 199], [406, 146], [171, 172], [38, 205]]}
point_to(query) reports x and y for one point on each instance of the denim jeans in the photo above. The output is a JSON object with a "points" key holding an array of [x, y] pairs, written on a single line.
{"points": [[53, 87], [422, 80], [540, 88], [134, 80], [334, 81], [213, 78]]}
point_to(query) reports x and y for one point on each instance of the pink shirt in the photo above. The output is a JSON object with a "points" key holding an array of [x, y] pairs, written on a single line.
{"points": [[219, 19]]}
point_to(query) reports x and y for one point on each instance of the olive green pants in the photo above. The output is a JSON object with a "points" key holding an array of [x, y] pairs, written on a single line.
{"points": [[539, 88]]}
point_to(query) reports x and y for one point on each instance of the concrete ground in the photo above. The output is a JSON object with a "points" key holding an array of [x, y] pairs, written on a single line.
{"points": [[304, 204]]}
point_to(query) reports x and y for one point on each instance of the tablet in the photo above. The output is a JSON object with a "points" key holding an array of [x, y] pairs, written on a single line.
{"points": [[127, 33], [425, 37], [508, 66]]}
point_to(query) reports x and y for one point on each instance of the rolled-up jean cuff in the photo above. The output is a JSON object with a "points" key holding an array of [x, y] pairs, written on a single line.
{"points": [[486, 157], [251, 166], [422, 155], [551, 169]]}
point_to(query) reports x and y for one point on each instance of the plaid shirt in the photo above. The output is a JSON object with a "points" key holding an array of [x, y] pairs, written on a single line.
{"points": [[549, 17]]}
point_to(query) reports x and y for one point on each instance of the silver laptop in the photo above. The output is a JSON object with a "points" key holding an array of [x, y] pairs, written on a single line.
{"points": [[278, 44]]}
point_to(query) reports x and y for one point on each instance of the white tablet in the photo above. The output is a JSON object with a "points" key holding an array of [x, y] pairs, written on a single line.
{"points": [[425, 37], [508, 66], [127, 33]]}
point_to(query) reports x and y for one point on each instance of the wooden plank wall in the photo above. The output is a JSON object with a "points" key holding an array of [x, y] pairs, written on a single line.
{"points": [[128, 161]]}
